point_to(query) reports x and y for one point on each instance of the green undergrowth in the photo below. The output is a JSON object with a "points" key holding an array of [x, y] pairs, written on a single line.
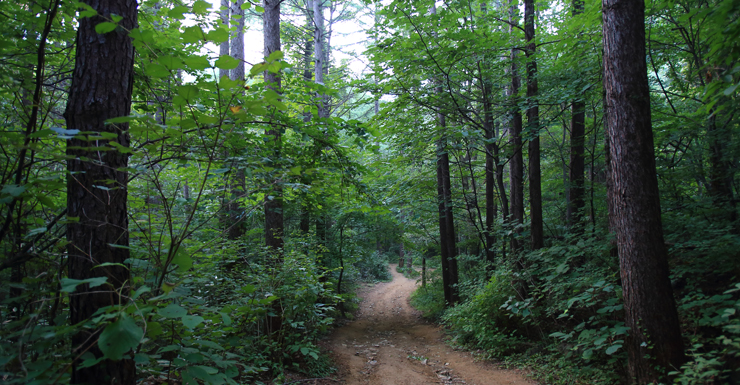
{"points": [[567, 327]]}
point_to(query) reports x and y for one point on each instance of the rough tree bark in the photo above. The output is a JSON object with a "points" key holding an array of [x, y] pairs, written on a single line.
{"points": [[443, 249], [516, 164], [533, 123], [224, 47], [490, 173], [237, 179], [102, 84], [273, 207], [446, 221], [576, 179], [236, 45], [654, 344]]}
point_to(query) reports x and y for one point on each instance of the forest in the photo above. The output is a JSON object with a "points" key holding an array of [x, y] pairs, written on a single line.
{"points": [[560, 177]]}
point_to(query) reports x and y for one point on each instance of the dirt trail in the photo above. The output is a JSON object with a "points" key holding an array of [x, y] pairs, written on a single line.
{"points": [[390, 344]]}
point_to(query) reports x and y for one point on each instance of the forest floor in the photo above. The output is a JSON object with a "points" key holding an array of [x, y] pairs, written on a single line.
{"points": [[389, 343]]}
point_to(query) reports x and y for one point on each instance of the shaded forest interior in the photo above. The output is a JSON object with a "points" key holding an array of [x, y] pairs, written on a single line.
{"points": [[560, 175]]}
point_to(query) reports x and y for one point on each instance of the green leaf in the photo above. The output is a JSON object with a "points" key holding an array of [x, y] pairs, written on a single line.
{"points": [[178, 12], [226, 62], [200, 7], [111, 264], [120, 337], [46, 201], [121, 148], [587, 354], [178, 100], [192, 34], [138, 292], [731, 89], [156, 70], [141, 358], [257, 68], [191, 321], [202, 372], [88, 12], [64, 133], [275, 55], [218, 35], [69, 285], [278, 104], [183, 260], [226, 319], [208, 344], [153, 329], [13, 190], [246, 5], [105, 27], [197, 62], [170, 62], [120, 119], [172, 311], [612, 349], [227, 83], [188, 91]]}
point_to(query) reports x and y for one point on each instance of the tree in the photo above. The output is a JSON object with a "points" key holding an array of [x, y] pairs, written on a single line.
{"points": [[533, 123], [273, 201], [516, 164], [224, 15], [101, 89], [444, 201], [576, 188], [236, 45], [654, 344], [237, 178]]}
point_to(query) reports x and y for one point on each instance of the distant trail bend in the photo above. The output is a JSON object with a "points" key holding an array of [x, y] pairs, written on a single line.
{"points": [[390, 344]]}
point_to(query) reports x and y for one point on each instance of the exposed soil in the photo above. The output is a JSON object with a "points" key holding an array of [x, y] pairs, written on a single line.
{"points": [[390, 344]]}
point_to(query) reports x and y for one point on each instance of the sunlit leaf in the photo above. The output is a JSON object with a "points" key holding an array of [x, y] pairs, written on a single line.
{"points": [[226, 62], [178, 12], [105, 27]]}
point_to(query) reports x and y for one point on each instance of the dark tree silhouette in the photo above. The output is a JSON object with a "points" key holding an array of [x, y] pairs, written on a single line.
{"points": [[101, 89]]}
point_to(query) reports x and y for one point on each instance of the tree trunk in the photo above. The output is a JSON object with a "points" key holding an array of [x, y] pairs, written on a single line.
{"points": [[490, 174], [401, 255], [446, 222], [533, 123], [274, 206], [449, 226], [654, 344], [720, 176], [305, 179], [237, 41], [576, 180], [224, 47], [423, 271], [444, 249], [320, 56], [102, 84], [516, 164]]}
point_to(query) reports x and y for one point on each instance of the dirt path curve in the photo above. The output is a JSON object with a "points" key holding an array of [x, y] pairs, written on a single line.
{"points": [[390, 344]]}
